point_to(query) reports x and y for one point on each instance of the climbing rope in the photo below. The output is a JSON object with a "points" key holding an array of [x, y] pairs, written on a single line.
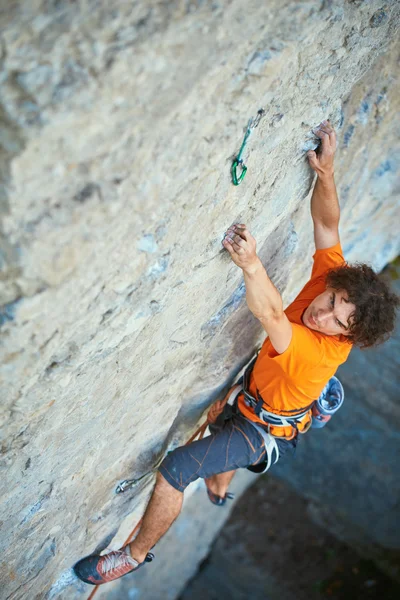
{"points": [[130, 482], [252, 124]]}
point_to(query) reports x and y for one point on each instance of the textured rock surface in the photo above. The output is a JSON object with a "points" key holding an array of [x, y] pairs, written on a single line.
{"points": [[121, 317]]}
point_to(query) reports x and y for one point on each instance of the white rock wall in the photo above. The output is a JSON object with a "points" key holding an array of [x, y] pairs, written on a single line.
{"points": [[122, 317]]}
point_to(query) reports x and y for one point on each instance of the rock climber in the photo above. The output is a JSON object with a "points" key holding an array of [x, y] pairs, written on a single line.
{"points": [[263, 416]]}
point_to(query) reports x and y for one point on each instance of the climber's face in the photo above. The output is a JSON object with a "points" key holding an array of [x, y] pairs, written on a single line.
{"points": [[330, 313]]}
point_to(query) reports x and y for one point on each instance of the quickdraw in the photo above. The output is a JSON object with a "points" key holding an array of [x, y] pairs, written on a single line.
{"points": [[252, 124], [127, 484]]}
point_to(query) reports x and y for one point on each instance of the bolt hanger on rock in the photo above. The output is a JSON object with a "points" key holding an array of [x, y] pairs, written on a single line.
{"points": [[252, 124], [126, 484]]}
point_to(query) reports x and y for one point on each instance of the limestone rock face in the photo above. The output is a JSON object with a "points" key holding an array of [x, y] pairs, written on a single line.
{"points": [[122, 317]]}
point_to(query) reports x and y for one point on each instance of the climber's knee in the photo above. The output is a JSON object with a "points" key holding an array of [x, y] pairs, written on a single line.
{"points": [[235, 445]]}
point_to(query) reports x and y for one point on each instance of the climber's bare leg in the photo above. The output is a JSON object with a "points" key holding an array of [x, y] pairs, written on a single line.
{"points": [[162, 510], [219, 483]]}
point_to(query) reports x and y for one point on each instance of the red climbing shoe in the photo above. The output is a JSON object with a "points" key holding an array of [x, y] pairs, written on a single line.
{"points": [[96, 569]]}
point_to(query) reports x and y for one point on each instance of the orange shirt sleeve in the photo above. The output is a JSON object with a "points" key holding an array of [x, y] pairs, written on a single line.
{"points": [[326, 259]]}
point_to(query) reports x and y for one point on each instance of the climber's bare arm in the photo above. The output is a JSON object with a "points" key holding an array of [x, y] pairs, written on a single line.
{"points": [[263, 299], [325, 208]]}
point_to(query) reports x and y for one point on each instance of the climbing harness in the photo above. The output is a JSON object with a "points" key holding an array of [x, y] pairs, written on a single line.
{"points": [[322, 409], [252, 124], [291, 419]]}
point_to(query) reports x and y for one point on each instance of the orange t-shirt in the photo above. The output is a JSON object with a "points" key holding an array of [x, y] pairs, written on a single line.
{"points": [[293, 379]]}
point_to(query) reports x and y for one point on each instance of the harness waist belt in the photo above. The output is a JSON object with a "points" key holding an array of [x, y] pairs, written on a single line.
{"points": [[267, 416]]}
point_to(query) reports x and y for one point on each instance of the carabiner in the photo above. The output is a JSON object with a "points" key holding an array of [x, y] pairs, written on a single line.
{"points": [[252, 124], [126, 484], [235, 178]]}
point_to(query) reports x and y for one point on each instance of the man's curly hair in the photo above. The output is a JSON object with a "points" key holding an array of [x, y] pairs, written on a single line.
{"points": [[374, 317]]}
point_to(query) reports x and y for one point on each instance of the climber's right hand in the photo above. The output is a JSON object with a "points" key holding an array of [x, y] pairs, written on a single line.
{"points": [[241, 245], [321, 160]]}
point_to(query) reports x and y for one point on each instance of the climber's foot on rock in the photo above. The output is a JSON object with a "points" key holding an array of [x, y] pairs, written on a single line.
{"points": [[217, 493], [219, 500], [98, 569]]}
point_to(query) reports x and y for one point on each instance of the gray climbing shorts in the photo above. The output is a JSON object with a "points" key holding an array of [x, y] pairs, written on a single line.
{"points": [[234, 443]]}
